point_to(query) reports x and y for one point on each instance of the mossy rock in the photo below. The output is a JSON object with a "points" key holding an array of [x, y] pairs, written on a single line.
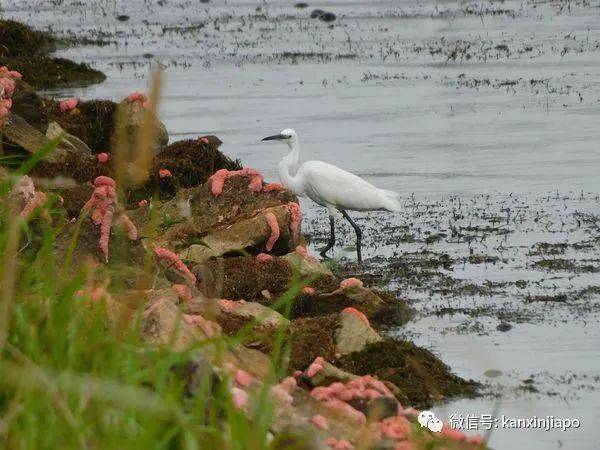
{"points": [[312, 337], [417, 372], [25, 50], [191, 162], [17, 40], [44, 72], [93, 122], [244, 278], [30, 106]]}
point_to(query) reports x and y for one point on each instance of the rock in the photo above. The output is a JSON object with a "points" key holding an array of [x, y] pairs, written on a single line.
{"points": [[298, 438], [29, 105], [197, 373], [252, 232], [301, 5], [503, 326], [353, 334], [244, 277], [327, 17], [252, 311], [234, 315], [122, 17], [306, 266], [93, 122], [361, 298], [420, 376], [330, 374], [316, 13], [20, 137], [379, 408], [164, 325], [130, 120], [77, 145], [191, 162]]}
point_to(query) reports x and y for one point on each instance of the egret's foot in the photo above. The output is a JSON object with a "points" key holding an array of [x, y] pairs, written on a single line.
{"points": [[324, 250]]}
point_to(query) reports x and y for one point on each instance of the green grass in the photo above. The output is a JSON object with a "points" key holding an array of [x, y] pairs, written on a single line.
{"points": [[70, 378]]}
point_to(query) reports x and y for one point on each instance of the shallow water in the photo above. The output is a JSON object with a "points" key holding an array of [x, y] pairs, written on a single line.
{"points": [[465, 108]]}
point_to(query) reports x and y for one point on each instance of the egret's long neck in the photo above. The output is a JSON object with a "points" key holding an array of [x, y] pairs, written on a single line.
{"points": [[289, 163]]}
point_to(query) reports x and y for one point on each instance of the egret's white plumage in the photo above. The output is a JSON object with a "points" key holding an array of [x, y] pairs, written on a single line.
{"points": [[330, 186]]}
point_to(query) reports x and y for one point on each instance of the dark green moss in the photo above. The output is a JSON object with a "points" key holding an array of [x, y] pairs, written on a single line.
{"points": [[191, 162], [18, 40], [94, 123], [417, 372], [43, 72], [26, 50]]}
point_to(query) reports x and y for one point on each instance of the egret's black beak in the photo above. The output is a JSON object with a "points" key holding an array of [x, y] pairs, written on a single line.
{"points": [[275, 137]]}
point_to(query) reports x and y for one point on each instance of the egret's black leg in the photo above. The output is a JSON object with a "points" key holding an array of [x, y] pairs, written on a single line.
{"points": [[331, 241], [358, 234]]}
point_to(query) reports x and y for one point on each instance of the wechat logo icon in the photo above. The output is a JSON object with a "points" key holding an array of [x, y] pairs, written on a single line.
{"points": [[428, 419]]}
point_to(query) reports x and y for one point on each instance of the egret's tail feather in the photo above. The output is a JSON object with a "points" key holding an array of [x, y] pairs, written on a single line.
{"points": [[391, 194], [392, 200]]}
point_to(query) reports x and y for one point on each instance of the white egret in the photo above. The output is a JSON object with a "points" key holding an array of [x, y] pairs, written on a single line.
{"points": [[331, 187]]}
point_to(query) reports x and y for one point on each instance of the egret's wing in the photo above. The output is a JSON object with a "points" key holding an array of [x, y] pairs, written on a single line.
{"points": [[329, 185]]}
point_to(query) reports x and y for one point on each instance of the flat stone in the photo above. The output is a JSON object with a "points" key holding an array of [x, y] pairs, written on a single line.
{"points": [[353, 334]]}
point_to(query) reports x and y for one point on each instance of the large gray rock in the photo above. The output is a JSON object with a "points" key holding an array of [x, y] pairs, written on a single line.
{"points": [[73, 142], [131, 118], [353, 334]]}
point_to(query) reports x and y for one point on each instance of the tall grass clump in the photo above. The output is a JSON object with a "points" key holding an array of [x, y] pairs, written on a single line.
{"points": [[72, 377]]}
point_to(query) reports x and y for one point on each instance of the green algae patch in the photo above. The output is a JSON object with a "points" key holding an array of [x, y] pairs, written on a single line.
{"points": [[417, 372]]}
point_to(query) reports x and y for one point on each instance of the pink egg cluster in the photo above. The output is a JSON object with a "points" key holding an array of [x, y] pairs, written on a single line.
{"points": [[264, 258], [355, 312], [243, 378], [208, 327], [283, 391], [171, 258], [274, 226], [218, 179], [68, 105], [315, 367], [38, 200], [302, 251], [164, 173], [319, 422], [229, 305], [349, 282], [103, 157], [183, 292], [309, 290], [295, 219], [273, 187], [395, 427], [137, 97], [103, 204], [7, 88], [338, 395], [339, 444]]}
